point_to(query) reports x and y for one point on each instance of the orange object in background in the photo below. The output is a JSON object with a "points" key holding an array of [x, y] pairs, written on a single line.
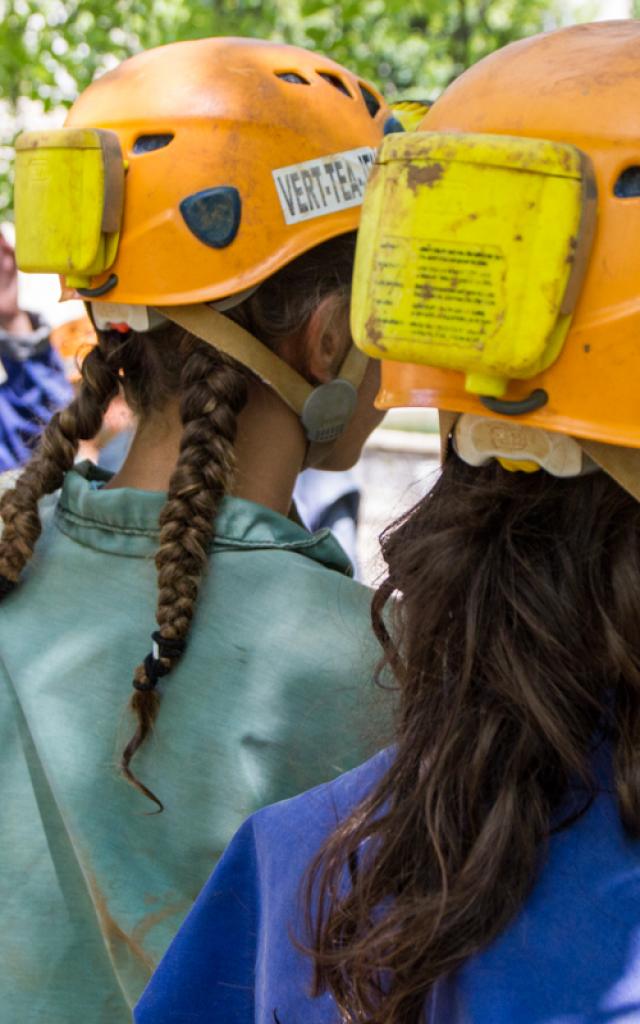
{"points": [[560, 87], [303, 185], [73, 340]]}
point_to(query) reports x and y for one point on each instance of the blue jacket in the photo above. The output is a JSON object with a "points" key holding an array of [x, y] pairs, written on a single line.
{"points": [[32, 387], [572, 956]]}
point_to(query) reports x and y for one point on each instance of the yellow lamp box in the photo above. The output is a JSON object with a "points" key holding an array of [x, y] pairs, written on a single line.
{"points": [[471, 253], [69, 194]]}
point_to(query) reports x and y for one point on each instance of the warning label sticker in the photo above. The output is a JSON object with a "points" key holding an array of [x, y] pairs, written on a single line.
{"points": [[318, 187], [442, 293]]}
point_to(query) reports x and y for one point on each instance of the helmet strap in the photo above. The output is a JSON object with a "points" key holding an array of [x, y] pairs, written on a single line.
{"points": [[324, 411], [621, 464]]}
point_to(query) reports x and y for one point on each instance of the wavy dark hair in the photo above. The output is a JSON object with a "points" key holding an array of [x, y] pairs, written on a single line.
{"points": [[515, 646]]}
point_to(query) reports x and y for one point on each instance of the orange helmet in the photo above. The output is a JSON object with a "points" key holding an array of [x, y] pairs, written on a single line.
{"points": [[241, 155], [580, 86], [190, 174]]}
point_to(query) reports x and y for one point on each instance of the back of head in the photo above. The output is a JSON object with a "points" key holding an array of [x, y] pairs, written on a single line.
{"points": [[514, 643], [221, 186]]}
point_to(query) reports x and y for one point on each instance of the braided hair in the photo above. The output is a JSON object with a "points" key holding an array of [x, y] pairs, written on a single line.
{"points": [[214, 392], [55, 455], [151, 368]]}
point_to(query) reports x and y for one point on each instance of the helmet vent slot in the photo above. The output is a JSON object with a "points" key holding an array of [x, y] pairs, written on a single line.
{"points": [[372, 102], [292, 76], [335, 81], [628, 184], [149, 143]]}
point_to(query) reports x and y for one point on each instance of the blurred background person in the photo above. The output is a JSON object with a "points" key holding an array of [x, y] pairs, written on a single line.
{"points": [[32, 379]]}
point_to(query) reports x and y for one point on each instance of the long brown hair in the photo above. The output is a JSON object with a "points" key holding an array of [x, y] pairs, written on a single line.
{"points": [[151, 368], [515, 647]]}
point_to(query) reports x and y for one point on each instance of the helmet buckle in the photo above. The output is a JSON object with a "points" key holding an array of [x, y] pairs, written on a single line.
{"points": [[328, 409]]}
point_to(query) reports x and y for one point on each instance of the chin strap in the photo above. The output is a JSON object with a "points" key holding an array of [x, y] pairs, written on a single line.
{"points": [[324, 410], [621, 464]]}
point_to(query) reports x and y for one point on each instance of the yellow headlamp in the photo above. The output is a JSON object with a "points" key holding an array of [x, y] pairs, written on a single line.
{"points": [[471, 253], [69, 194]]}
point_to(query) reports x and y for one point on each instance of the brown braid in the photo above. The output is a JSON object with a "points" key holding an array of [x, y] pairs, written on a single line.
{"points": [[214, 392], [55, 454], [152, 368]]}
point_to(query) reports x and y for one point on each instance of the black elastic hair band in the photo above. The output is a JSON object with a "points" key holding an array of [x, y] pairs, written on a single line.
{"points": [[167, 648], [6, 586], [163, 648]]}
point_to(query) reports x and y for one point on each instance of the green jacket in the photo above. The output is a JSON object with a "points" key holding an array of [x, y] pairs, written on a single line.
{"points": [[271, 697]]}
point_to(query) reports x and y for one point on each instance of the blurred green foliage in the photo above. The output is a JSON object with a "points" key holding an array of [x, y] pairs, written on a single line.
{"points": [[52, 49]]}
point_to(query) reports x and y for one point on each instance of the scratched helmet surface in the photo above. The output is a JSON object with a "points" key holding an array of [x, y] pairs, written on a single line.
{"points": [[579, 86], [241, 155]]}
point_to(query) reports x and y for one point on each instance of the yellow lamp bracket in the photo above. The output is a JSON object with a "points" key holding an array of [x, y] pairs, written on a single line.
{"points": [[69, 197], [471, 255], [410, 113]]}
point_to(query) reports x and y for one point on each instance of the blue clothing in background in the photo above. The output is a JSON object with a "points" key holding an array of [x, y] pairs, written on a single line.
{"points": [[572, 956], [32, 387], [330, 500], [115, 451]]}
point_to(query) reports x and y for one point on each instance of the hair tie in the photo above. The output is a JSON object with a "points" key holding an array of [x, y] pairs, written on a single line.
{"points": [[163, 648], [6, 586]]}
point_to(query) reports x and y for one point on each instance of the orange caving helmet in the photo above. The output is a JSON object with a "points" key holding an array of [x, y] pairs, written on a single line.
{"points": [[581, 86], [226, 142], [190, 174]]}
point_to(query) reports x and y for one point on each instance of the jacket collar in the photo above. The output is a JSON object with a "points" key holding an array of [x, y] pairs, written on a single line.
{"points": [[125, 521]]}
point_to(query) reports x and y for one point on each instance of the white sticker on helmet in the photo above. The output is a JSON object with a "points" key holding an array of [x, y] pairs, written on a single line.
{"points": [[326, 185]]}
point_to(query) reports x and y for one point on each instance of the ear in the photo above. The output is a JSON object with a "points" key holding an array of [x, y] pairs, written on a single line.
{"points": [[327, 337]]}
